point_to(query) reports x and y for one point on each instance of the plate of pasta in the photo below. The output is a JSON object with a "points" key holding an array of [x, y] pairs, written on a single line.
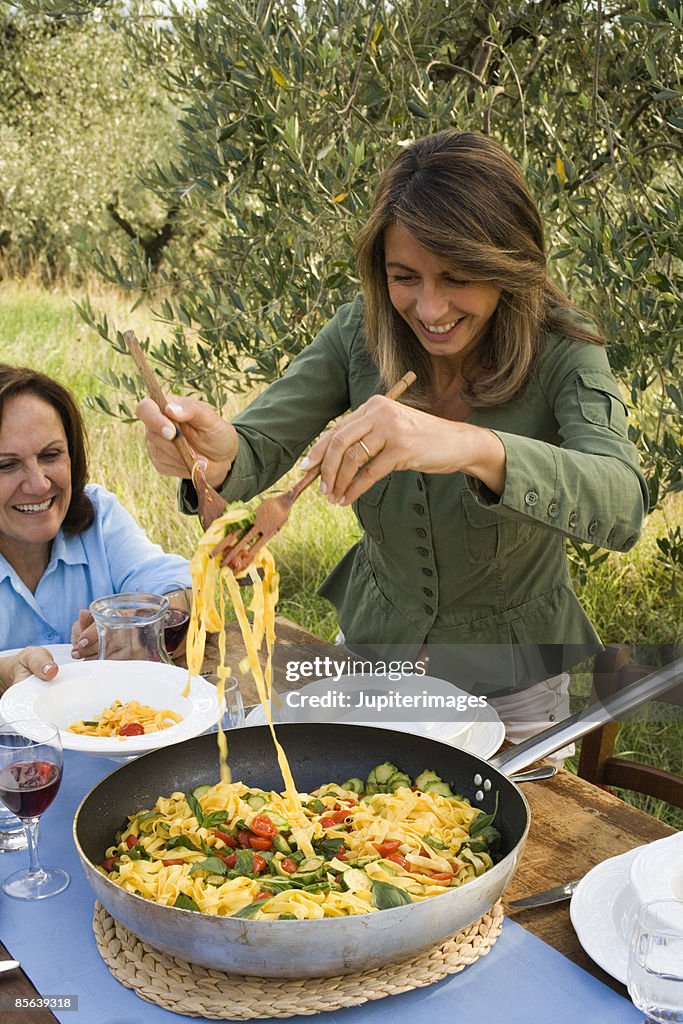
{"points": [[117, 709]]}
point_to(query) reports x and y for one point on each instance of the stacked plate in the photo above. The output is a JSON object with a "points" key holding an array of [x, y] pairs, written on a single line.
{"points": [[604, 905], [477, 729]]}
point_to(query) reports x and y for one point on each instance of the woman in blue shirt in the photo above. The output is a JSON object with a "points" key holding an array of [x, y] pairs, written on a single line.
{"points": [[63, 542]]}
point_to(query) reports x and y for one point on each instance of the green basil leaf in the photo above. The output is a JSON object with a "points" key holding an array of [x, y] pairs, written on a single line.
{"points": [[244, 865], [215, 818], [138, 852], [212, 865], [195, 807], [250, 909], [385, 896], [184, 902], [482, 821], [185, 842], [328, 848]]}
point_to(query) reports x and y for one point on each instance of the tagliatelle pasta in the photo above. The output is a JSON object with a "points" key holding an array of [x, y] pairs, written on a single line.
{"points": [[121, 719], [230, 850]]}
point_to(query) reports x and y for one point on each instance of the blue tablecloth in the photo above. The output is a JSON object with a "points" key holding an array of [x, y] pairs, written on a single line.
{"points": [[521, 981]]}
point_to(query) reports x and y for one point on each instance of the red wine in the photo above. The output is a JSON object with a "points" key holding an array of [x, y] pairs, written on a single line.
{"points": [[175, 632], [29, 787]]}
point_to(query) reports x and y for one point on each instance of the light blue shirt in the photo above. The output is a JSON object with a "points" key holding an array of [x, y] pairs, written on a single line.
{"points": [[112, 556]]}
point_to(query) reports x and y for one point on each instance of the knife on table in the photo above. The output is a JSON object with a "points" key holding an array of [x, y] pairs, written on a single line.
{"points": [[542, 899]]}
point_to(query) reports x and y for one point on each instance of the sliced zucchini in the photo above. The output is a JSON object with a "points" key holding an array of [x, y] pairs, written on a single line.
{"points": [[281, 844], [355, 880], [442, 788], [425, 777], [398, 780], [199, 791], [354, 785], [256, 800]]}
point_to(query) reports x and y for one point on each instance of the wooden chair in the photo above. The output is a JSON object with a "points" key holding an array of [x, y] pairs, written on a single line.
{"points": [[597, 762]]}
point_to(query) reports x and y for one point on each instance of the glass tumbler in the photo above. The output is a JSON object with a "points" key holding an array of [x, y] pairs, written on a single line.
{"points": [[655, 962], [130, 627]]}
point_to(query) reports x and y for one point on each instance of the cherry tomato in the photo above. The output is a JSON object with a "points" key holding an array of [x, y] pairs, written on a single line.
{"points": [[441, 876], [333, 818], [399, 859], [387, 847], [261, 825], [229, 859], [243, 838], [260, 843], [131, 840], [261, 896], [259, 863], [288, 865], [132, 729], [170, 863], [228, 840], [110, 863], [341, 854]]}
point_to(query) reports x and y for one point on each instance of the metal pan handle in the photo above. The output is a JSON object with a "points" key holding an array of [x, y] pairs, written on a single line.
{"points": [[596, 714]]}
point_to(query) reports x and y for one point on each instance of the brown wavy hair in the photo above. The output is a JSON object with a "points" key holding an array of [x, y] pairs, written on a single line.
{"points": [[463, 198], [20, 380]]}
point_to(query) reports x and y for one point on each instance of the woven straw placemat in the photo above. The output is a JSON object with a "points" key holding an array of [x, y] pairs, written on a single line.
{"points": [[202, 992]]}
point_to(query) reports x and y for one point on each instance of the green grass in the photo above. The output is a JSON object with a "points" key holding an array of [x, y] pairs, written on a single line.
{"points": [[629, 597]]}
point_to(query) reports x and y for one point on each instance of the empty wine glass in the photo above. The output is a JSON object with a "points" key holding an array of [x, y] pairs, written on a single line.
{"points": [[233, 716], [31, 763], [655, 963], [12, 834]]}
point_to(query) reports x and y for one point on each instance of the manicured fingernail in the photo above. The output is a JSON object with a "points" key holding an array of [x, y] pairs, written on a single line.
{"points": [[83, 642], [305, 464], [177, 410], [168, 433], [47, 668], [323, 487], [75, 653]]}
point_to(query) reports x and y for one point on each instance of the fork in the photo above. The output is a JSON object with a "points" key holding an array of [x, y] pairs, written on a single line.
{"points": [[237, 549], [210, 505]]}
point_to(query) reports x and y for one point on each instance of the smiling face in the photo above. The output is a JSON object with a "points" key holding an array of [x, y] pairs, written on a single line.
{"points": [[447, 314], [35, 478]]}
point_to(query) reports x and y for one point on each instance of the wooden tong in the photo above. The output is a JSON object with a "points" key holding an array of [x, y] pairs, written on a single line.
{"points": [[210, 505], [237, 549]]}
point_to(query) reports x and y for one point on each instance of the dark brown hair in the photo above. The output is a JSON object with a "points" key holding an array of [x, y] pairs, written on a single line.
{"points": [[20, 380], [465, 200]]}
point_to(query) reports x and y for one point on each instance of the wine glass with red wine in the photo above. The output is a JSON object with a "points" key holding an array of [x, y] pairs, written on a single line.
{"points": [[31, 761], [175, 627]]}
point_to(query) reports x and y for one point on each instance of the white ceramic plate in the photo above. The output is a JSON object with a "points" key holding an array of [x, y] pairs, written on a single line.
{"points": [[602, 912], [60, 652], [83, 689], [477, 730], [657, 872]]}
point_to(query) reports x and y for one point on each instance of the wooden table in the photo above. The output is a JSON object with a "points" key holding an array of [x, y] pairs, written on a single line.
{"points": [[574, 827]]}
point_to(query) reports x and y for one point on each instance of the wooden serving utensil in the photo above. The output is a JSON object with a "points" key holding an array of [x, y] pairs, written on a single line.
{"points": [[237, 549], [210, 505]]}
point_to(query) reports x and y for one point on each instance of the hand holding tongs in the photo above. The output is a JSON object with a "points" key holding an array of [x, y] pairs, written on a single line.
{"points": [[237, 549]]}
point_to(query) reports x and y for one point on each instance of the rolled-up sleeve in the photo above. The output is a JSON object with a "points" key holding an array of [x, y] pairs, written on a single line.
{"points": [[589, 486]]}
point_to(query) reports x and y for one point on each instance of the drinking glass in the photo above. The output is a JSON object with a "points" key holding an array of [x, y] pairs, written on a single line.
{"points": [[175, 627], [233, 717], [655, 962], [31, 763], [12, 834], [130, 627]]}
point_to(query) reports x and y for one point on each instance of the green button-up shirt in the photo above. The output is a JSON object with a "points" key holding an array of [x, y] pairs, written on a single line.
{"points": [[482, 580]]}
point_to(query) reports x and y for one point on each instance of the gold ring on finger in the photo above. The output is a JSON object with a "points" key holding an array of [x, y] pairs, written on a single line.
{"points": [[365, 448]]}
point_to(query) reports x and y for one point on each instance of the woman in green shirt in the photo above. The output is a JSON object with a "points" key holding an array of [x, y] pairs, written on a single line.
{"points": [[513, 438]]}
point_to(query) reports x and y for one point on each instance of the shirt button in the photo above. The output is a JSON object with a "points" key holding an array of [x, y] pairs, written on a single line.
{"points": [[420, 532], [50, 634], [553, 509], [427, 572], [422, 551], [531, 498], [419, 509], [427, 592], [573, 519], [593, 527], [429, 609]]}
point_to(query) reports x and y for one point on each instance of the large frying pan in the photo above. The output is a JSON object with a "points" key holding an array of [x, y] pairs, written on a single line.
{"points": [[321, 753]]}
